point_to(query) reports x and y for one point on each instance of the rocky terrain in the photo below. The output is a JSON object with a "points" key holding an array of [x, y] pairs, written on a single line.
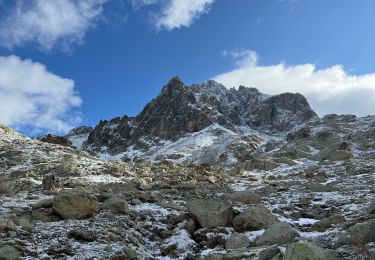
{"points": [[183, 118], [220, 174]]}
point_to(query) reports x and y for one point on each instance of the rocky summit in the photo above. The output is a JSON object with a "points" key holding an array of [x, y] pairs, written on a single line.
{"points": [[181, 114], [203, 172]]}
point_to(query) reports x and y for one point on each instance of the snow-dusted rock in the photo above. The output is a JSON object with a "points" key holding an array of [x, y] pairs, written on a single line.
{"points": [[280, 234], [210, 213], [306, 250], [116, 204], [75, 205], [254, 217], [237, 240]]}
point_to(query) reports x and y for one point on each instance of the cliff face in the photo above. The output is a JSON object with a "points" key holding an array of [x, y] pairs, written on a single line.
{"points": [[179, 110]]}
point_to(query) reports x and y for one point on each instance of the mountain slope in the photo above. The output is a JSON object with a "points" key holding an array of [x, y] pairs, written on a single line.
{"points": [[181, 110]]}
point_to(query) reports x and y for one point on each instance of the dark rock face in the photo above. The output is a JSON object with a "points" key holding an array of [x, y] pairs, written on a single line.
{"points": [[181, 109], [55, 139], [81, 130]]}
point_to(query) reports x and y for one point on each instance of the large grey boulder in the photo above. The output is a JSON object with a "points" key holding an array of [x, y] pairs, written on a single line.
{"points": [[9, 252], [304, 250], [341, 155], [371, 208], [246, 197], [255, 217], [237, 240], [277, 234], [324, 224], [7, 225], [362, 232], [271, 253], [75, 205], [116, 205], [210, 213]]}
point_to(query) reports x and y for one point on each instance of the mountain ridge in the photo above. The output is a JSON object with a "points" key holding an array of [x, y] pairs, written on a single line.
{"points": [[180, 110]]}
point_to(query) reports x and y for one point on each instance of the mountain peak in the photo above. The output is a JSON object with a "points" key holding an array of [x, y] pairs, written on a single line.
{"points": [[179, 110], [174, 86]]}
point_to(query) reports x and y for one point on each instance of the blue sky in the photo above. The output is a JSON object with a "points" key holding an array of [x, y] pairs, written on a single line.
{"points": [[109, 58]]}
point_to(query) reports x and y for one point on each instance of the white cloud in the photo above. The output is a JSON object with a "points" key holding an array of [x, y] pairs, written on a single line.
{"points": [[175, 14], [181, 13], [49, 22], [329, 90], [31, 96], [141, 3]]}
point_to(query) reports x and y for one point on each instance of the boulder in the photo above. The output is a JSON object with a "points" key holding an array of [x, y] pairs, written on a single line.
{"points": [[7, 225], [116, 205], [50, 182], [82, 235], [259, 164], [371, 208], [246, 197], [362, 232], [210, 213], [278, 234], [324, 224], [45, 203], [75, 205], [45, 215], [237, 240], [9, 252], [270, 253], [341, 155], [255, 217], [304, 250]]}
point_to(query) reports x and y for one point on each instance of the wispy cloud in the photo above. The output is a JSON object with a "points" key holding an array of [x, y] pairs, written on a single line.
{"points": [[48, 24], [33, 97], [329, 90], [181, 13], [175, 14]]}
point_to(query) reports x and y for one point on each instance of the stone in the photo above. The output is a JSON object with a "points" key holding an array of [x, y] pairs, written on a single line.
{"points": [[269, 253], [9, 252], [324, 224], [234, 254], [50, 182], [116, 205], [371, 208], [131, 253], [45, 215], [277, 234], [304, 250], [246, 197], [46, 203], [259, 164], [255, 217], [341, 155], [75, 205], [210, 213], [317, 187], [82, 235], [237, 240], [168, 249], [7, 225], [362, 232]]}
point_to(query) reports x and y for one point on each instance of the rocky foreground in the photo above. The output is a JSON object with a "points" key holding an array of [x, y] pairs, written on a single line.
{"points": [[308, 194]]}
